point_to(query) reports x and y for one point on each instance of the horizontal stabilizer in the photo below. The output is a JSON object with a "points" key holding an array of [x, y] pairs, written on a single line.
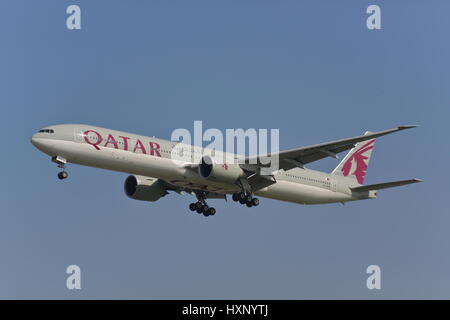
{"points": [[384, 185]]}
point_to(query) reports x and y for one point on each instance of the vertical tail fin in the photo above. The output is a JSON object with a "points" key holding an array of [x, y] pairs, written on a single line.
{"points": [[356, 161]]}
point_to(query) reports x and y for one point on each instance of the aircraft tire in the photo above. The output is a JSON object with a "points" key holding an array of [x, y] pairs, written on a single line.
{"points": [[198, 205], [62, 175]]}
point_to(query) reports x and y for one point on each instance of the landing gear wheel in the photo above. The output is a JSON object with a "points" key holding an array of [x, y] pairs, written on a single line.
{"points": [[241, 197], [211, 211], [235, 197], [192, 207], [249, 204], [62, 175], [205, 208], [198, 206], [199, 211], [255, 202]]}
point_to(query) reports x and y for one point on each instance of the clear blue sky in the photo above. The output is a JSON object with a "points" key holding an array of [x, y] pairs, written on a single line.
{"points": [[311, 69]]}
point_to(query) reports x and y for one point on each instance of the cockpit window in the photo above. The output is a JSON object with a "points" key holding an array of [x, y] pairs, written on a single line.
{"points": [[47, 130]]}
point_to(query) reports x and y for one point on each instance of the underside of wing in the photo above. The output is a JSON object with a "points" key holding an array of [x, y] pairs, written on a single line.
{"points": [[179, 189]]}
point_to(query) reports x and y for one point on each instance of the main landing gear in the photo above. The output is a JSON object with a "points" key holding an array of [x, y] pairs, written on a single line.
{"points": [[202, 207], [245, 198], [61, 164]]}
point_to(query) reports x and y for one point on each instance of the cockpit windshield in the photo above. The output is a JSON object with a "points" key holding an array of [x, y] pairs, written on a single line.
{"points": [[47, 130]]}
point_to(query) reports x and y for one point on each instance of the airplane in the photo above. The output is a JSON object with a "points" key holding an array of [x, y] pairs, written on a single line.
{"points": [[154, 172]]}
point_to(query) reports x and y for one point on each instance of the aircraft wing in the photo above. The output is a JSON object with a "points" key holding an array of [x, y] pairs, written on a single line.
{"points": [[298, 157]]}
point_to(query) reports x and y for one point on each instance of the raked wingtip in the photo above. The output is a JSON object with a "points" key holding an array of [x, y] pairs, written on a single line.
{"points": [[406, 127]]}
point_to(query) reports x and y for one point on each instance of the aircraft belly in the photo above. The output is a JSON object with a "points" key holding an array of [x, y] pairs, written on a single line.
{"points": [[139, 164], [301, 193], [118, 160], [167, 169]]}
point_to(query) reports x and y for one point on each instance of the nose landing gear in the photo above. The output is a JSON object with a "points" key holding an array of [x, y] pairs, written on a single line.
{"points": [[61, 164]]}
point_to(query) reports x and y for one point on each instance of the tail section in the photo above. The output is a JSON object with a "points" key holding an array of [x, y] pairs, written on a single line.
{"points": [[356, 161]]}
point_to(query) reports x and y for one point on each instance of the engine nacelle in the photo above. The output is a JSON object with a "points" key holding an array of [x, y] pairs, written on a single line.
{"points": [[219, 172], [144, 188]]}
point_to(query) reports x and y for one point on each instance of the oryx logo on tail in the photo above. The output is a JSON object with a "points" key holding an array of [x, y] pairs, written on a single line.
{"points": [[356, 164], [356, 161]]}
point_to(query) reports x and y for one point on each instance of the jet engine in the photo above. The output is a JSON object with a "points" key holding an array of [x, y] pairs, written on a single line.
{"points": [[144, 188], [219, 172]]}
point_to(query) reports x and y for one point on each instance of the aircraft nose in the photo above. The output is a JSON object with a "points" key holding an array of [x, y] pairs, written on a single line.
{"points": [[43, 143], [37, 141], [34, 140]]}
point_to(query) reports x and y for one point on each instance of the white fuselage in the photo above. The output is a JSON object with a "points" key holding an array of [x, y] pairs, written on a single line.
{"points": [[152, 157]]}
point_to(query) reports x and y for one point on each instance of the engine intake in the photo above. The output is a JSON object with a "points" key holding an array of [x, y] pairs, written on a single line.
{"points": [[144, 188], [219, 172]]}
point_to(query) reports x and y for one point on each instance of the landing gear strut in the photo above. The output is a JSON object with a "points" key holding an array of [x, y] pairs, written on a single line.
{"points": [[202, 207], [62, 165]]}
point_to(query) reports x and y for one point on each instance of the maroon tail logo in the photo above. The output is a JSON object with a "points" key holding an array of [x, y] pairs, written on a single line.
{"points": [[359, 159]]}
